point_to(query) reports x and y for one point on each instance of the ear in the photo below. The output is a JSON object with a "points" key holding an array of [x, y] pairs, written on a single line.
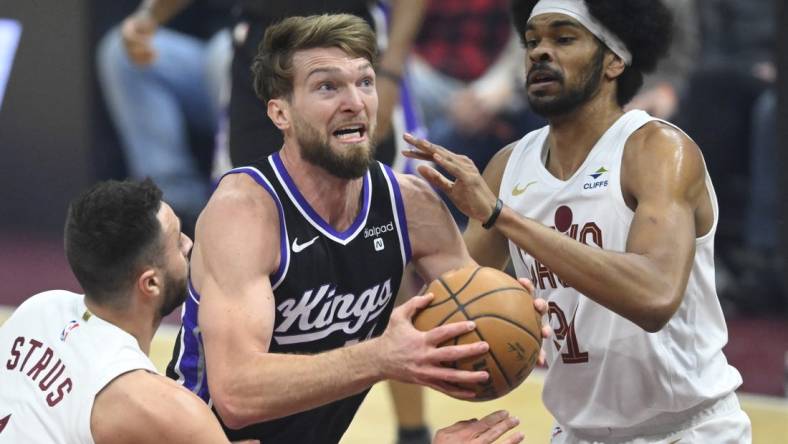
{"points": [[149, 283], [279, 113], [614, 66]]}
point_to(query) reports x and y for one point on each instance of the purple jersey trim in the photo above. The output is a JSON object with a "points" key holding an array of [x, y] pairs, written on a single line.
{"points": [[312, 214], [194, 377], [400, 211], [284, 250]]}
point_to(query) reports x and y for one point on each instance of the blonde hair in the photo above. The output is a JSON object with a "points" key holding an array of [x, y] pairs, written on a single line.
{"points": [[272, 67]]}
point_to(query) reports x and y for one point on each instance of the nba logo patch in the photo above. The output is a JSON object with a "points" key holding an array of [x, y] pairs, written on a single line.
{"points": [[70, 326], [378, 244]]}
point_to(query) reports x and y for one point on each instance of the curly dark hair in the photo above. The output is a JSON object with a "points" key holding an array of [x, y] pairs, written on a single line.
{"points": [[645, 27], [112, 231]]}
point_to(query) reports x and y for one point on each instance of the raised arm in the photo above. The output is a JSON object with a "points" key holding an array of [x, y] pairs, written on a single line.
{"points": [[139, 27], [489, 247], [236, 249], [663, 180], [163, 10]]}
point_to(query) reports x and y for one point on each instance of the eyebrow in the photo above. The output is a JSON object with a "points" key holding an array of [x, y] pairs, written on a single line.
{"points": [[335, 70], [556, 24]]}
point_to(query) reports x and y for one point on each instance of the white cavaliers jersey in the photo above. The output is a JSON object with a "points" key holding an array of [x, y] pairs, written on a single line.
{"points": [[605, 371], [54, 358]]}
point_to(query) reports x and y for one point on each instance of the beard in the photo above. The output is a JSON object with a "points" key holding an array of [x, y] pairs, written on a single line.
{"points": [[568, 100], [174, 293], [316, 149]]}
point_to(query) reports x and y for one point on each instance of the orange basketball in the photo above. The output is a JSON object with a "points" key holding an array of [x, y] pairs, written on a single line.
{"points": [[505, 318]]}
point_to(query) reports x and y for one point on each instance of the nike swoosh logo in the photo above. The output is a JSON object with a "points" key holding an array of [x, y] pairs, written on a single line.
{"points": [[518, 191], [674, 442], [297, 248]]}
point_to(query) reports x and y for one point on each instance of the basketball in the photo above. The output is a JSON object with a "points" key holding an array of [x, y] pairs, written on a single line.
{"points": [[505, 318]]}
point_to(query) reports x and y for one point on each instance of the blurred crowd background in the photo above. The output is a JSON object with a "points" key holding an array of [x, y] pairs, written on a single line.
{"points": [[77, 110]]}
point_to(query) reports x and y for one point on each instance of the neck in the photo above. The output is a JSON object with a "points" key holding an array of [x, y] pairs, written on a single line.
{"points": [[335, 199], [573, 135], [142, 327]]}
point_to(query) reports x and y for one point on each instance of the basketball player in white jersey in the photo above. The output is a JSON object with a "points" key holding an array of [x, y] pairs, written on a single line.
{"points": [[74, 368], [612, 216]]}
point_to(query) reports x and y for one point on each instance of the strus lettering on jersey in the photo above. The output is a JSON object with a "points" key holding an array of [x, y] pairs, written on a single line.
{"points": [[46, 370], [331, 289], [619, 376], [55, 357]]}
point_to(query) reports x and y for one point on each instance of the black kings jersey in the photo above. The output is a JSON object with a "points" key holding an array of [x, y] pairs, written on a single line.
{"points": [[331, 289]]}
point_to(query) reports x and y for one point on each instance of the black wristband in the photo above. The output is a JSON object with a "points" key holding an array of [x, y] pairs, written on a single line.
{"points": [[389, 74], [494, 216]]}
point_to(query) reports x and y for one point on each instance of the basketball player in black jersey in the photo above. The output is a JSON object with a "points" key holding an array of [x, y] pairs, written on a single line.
{"points": [[298, 258]]}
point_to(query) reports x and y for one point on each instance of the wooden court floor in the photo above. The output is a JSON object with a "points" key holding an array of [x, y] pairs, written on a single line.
{"points": [[375, 423]]}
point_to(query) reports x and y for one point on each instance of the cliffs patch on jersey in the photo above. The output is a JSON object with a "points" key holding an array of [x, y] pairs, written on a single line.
{"points": [[599, 179]]}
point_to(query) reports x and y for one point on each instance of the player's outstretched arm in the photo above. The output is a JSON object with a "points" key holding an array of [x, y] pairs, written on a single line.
{"points": [[663, 180], [140, 407], [236, 249], [482, 431], [489, 247]]}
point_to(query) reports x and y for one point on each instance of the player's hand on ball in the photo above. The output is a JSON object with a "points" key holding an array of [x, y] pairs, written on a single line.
{"points": [[469, 192], [540, 305], [484, 431], [409, 355]]}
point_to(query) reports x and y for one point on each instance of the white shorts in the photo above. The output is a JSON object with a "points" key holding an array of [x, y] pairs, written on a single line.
{"points": [[723, 422]]}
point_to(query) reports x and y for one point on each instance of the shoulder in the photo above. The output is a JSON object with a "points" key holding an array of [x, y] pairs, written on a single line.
{"points": [[493, 172], [659, 134], [50, 301], [412, 185], [239, 194], [52, 297], [237, 204], [140, 406], [416, 191], [501, 158], [659, 141], [659, 155], [237, 234]]}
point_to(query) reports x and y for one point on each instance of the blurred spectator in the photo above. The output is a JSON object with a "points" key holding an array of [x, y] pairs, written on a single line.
{"points": [[468, 72], [724, 113], [161, 88], [662, 90], [758, 285]]}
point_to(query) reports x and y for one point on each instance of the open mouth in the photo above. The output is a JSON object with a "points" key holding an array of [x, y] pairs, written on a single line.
{"points": [[351, 132], [542, 77]]}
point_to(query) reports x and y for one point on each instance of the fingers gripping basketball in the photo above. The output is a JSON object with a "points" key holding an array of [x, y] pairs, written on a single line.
{"points": [[505, 318]]}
